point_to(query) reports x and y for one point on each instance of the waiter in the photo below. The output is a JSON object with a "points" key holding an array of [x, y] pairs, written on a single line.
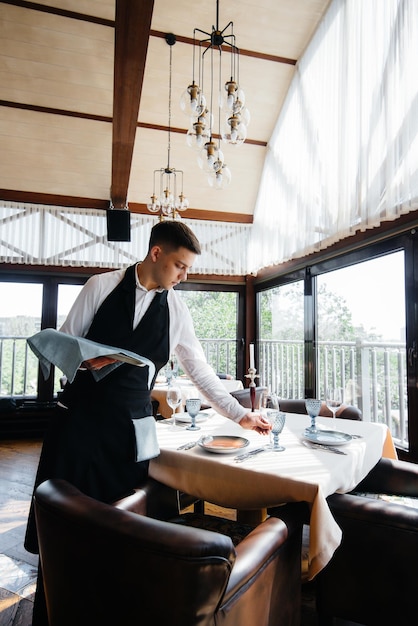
{"points": [[91, 439]]}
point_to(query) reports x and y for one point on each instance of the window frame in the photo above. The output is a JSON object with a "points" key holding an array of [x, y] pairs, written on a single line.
{"points": [[308, 270]]}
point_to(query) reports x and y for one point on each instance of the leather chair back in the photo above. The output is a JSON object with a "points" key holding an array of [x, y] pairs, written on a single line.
{"points": [[105, 565], [244, 398], [298, 406], [373, 576]]}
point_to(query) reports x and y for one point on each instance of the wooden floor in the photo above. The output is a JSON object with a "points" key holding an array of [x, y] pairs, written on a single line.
{"points": [[18, 568]]}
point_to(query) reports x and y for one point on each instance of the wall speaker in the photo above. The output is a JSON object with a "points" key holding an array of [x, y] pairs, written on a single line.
{"points": [[118, 225]]}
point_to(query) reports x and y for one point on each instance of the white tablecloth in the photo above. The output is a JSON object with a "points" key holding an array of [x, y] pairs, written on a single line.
{"points": [[272, 478], [160, 391]]}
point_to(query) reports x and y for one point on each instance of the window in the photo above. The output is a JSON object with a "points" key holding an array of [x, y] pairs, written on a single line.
{"points": [[281, 339], [20, 317], [359, 331], [216, 323], [361, 339]]}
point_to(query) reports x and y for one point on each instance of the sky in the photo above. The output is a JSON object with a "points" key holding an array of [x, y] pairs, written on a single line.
{"points": [[18, 299], [375, 293]]}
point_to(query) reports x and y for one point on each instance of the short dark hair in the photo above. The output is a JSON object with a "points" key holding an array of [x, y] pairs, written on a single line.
{"points": [[173, 235]]}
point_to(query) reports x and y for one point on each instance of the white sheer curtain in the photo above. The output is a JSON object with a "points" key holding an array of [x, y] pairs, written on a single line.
{"points": [[344, 153], [50, 235]]}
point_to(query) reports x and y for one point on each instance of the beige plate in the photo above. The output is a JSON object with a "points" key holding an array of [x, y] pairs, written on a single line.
{"points": [[224, 444]]}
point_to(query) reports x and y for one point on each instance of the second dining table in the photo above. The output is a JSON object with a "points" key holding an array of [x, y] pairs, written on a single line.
{"points": [[269, 479], [159, 392]]}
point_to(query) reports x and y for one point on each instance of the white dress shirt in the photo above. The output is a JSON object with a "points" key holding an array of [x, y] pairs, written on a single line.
{"points": [[183, 340]]}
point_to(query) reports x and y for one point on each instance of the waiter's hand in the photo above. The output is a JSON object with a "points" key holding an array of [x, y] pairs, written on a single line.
{"points": [[255, 421], [98, 362]]}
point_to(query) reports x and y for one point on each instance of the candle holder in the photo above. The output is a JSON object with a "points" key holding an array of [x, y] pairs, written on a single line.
{"points": [[252, 375]]}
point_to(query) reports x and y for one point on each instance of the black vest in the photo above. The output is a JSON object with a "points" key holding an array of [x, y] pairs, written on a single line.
{"points": [[126, 387]]}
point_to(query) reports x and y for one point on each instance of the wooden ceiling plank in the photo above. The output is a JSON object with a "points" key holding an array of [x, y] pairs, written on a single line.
{"points": [[132, 29]]}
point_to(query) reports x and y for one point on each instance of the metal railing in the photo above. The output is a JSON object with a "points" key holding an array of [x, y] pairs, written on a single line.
{"points": [[373, 374], [19, 366]]}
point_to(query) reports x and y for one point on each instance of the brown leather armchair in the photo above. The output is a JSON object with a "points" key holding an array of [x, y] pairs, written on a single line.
{"points": [[298, 406], [244, 398], [104, 565], [372, 578]]}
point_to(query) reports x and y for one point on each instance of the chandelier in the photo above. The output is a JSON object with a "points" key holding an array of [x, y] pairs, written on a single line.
{"points": [[224, 98], [167, 203]]}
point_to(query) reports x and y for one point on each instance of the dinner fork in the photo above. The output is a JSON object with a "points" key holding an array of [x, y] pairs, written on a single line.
{"points": [[191, 444]]}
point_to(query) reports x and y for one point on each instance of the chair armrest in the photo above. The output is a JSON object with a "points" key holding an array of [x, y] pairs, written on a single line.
{"points": [[373, 513], [393, 477], [265, 580], [255, 550], [153, 499]]}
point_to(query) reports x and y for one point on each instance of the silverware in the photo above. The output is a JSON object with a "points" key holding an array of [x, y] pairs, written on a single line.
{"points": [[320, 446], [192, 444], [245, 455], [187, 446]]}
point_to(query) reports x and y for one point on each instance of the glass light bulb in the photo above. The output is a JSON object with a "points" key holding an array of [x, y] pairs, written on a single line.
{"points": [[235, 132], [197, 136], [245, 116], [154, 206], [221, 178], [190, 100], [209, 155]]}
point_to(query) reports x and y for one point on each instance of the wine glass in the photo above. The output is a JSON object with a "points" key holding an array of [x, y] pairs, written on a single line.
{"points": [[264, 402], [334, 399], [168, 373], [193, 408], [313, 407], [173, 400], [277, 420], [174, 364]]}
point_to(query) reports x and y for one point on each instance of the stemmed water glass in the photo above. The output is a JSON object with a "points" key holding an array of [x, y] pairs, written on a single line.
{"points": [[193, 408], [313, 407], [277, 420], [334, 399], [173, 400]]}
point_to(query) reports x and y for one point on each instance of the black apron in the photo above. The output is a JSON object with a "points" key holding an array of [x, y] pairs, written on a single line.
{"points": [[91, 444]]}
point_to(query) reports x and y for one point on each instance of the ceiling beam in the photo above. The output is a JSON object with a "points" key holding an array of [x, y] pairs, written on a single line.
{"points": [[132, 30]]}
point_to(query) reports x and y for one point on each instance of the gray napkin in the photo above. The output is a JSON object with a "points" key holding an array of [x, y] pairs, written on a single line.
{"points": [[68, 353]]}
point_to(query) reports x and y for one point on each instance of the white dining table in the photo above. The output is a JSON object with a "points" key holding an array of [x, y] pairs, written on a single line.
{"points": [[273, 478], [159, 392]]}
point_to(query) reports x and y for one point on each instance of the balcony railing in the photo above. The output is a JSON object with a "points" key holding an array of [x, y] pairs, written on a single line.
{"points": [[372, 373], [19, 366]]}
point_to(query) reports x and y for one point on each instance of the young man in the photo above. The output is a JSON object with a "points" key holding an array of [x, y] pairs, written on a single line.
{"points": [[91, 439]]}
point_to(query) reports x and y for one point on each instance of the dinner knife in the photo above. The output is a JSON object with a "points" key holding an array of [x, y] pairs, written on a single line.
{"points": [[321, 446], [245, 455]]}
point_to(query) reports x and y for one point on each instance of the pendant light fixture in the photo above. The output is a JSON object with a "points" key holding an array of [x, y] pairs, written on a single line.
{"points": [[167, 203], [223, 112]]}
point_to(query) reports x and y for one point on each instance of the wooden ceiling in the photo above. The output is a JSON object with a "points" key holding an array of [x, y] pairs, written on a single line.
{"points": [[84, 97]]}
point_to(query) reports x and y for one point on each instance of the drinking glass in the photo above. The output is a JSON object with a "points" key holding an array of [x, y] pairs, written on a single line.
{"points": [[193, 408], [277, 420], [334, 399], [313, 407], [174, 364], [264, 402], [168, 373], [174, 400]]}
